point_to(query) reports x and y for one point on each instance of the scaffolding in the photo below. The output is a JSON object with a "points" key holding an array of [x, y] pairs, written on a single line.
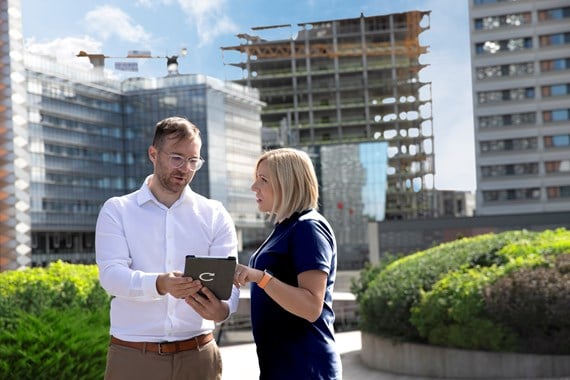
{"points": [[345, 81]]}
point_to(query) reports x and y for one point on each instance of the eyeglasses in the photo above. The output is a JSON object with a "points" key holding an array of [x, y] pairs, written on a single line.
{"points": [[176, 161]]}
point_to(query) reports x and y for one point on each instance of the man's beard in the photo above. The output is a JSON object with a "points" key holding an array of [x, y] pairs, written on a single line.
{"points": [[171, 184]]}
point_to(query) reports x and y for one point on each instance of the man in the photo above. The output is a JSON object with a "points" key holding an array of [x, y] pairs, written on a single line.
{"points": [[161, 327]]}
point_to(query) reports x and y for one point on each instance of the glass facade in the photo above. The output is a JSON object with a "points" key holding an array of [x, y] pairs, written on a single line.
{"points": [[88, 139], [76, 147], [353, 184], [228, 116]]}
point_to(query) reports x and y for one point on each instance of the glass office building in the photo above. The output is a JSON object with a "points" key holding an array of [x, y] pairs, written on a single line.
{"points": [[86, 139], [77, 157], [228, 116], [353, 181]]}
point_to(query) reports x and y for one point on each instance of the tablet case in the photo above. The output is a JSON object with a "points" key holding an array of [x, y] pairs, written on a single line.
{"points": [[216, 273]]}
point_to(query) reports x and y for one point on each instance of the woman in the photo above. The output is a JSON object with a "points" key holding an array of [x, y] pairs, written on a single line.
{"points": [[292, 273]]}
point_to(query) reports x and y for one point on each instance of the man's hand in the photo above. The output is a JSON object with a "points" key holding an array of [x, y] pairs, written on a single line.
{"points": [[177, 286], [208, 306]]}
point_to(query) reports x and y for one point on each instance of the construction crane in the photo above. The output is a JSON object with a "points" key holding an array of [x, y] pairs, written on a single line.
{"points": [[98, 60]]}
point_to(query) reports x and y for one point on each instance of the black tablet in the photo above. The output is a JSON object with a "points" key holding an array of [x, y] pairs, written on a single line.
{"points": [[216, 273]]}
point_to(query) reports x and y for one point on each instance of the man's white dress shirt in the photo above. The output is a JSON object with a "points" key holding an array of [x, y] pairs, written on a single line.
{"points": [[137, 238]]}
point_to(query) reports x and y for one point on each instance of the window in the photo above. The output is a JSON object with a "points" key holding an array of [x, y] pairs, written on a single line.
{"points": [[514, 44], [554, 192], [554, 39], [555, 64], [554, 14], [556, 141], [560, 166], [493, 22], [513, 70], [505, 95], [556, 90], [556, 115], [511, 195], [507, 120], [529, 143], [509, 170], [481, 2]]}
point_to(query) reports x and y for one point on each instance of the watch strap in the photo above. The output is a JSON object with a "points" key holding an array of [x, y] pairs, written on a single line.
{"points": [[267, 276]]}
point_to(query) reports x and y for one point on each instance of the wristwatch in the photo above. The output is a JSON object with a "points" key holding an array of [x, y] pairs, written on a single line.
{"points": [[267, 276]]}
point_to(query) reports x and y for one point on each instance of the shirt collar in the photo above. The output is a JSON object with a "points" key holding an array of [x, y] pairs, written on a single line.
{"points": [[145, 195]]}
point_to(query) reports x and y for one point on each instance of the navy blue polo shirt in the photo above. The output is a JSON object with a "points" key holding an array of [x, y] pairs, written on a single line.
{"points": [[290, 347]]}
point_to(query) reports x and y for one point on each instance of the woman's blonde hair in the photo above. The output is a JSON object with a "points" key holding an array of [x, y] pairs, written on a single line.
{"points": [[293, 181]]}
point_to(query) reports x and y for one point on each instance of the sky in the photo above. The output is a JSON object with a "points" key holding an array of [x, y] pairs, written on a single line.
{"points": [[202, 27]]}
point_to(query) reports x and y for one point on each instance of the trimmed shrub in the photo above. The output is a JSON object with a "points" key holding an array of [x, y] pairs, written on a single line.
{"points": [[535, 303], [455, 303], [55, 344], [54, 323], [437, 296], [451, 313], [60, 285], [385, 305], [359, 285]]}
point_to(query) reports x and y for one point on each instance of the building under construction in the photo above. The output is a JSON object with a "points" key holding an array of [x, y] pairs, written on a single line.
{"points": [[350, 81]]}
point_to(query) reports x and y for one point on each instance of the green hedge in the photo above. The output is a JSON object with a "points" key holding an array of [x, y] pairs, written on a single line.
{"points": [[54, 323], [451, 295]]}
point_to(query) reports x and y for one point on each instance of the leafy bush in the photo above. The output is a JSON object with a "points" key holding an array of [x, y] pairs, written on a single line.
{"points": [[437, 295], [54, 323], [359, 285], [61, 285], [55, 344], [450, 314], [536, 304], [385, 306], [455, 303]]}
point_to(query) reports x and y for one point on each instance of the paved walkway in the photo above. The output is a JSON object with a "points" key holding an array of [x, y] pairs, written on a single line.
{"points": [[240, 360]]}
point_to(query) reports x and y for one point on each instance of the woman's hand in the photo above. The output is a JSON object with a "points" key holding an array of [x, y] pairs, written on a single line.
{"points": [[245, 274]]}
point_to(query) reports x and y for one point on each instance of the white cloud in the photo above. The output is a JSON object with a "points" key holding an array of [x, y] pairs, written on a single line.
{"points": [[144, 3], [65, 50], [107, 21], [209, 17]]}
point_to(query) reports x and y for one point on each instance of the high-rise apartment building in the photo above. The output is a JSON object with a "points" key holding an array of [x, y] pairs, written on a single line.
{"points": [[520, 56], [350, 81]]}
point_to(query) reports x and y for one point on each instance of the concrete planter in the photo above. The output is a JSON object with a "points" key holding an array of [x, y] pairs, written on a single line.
{"points": [[449, 363]]}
